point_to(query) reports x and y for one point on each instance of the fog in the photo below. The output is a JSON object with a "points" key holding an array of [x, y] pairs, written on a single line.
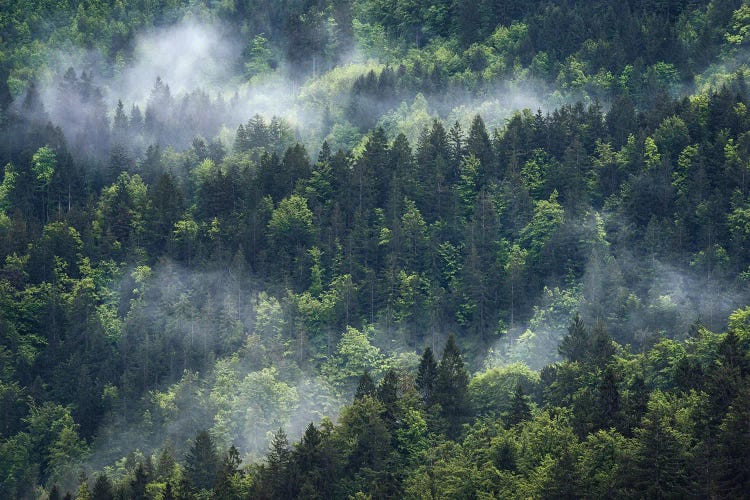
{"points": [[231, 370], [640, 298]]}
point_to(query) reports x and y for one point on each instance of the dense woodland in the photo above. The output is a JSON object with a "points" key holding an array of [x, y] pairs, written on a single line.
{"points": [[494, 249]]}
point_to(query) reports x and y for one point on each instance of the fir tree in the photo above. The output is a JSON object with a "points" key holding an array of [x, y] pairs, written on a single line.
{"points": [[520, 409], [451, 386], [365, 386], [202, 462], [102, 489], [575, 344], [427, 376]]}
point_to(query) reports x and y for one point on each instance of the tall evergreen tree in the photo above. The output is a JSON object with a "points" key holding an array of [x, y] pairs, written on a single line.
{"points": [[102, 489], [427, 377], [365, 386], [229, 469], [202, 461], [607, 401], [520, 409], [479, 145], [279, 473], [138, 483], [451, 386], [387, 393], [575, 344]]}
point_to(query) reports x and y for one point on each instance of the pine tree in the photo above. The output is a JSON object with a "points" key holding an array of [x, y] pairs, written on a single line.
{"points": [[520, 409], [479, 145], [228, 470], [562, 480], [168, 493], [365, 387], [278, 477], [138, 483], [387, 393], [451, 387], [165, 463], [607, 402], [54, 492], [734, 448], [601, 349], [120, 125], [457, 150], [575, 344], [202, 462], [102, 489], [309, 461], [426, 377], [307, 453]]}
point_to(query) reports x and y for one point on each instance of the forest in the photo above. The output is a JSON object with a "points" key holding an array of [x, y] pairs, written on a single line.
{"points": [[370, 249]]}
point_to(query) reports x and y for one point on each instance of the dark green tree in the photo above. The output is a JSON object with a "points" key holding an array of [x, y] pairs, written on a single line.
{"points": [[365, 386], [607, 401], [451, 387], [138, 483], [168, 493], [279, 473], [427, 374], [478, 144], [734, 448], [520, 409], [228, 472], [54, 492], [387, 393], [574, 346], [202, 461], [102, 489]]}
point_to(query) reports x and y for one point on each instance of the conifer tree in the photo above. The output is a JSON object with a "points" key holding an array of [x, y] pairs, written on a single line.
{"points": [[227, 471], [54, 492], [479, 145], [202, 462], [451, 386], [138, 483], [387, 393], [279, 467], [427, 376], [601, 349], [365, 387], [520, 409], [607, 401], [102, 488], [575, 344]]}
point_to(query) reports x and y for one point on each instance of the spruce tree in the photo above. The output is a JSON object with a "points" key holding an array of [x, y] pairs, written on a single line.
{"points": [[575, 344], [279, 466], [479, 145], [309, 462], [202, 462], [520, 409], [601, 349], [365, 387], [387, 393], [54, 492], [607, 401], [102, 488], [227, 472], [426, 377], [451, 386], [138, 483], [168, 493]]}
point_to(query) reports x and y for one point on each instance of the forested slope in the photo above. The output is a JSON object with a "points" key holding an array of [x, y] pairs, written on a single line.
{"points": [[449, 249]]}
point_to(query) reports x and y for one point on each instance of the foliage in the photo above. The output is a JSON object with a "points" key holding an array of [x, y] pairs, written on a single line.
{"points": [[526, 184]]}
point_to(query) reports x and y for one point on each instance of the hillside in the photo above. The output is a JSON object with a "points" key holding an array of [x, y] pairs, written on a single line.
{"points": [[374, 249]]}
